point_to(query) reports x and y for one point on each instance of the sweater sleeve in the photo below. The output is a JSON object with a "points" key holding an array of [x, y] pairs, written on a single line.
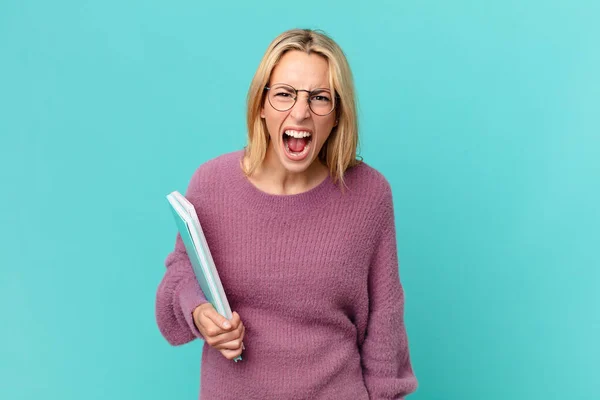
{"points": [[177, 296], [385, 356]]}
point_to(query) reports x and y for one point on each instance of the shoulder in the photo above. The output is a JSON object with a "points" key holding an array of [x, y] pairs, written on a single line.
{"points": [[365, 181], [215, 171], [369, 193]]}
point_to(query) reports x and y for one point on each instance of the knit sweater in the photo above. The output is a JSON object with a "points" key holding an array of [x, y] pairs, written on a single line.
{"points": [[314, 278]]}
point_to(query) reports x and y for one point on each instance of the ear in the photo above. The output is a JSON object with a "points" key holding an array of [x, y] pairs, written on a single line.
{"points": [[337, 117], [262, 112]]}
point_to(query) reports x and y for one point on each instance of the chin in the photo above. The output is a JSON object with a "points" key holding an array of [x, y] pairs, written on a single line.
{"points": [[296, 166]]}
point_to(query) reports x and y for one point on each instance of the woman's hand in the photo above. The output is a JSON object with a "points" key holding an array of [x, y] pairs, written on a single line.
{"points": [[220, 333]]}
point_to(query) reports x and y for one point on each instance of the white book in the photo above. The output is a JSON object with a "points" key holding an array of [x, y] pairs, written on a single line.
{"points": [[198, 252]]}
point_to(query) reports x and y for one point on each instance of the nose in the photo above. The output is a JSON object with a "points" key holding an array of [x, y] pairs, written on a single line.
{"points": [[301, 109]]}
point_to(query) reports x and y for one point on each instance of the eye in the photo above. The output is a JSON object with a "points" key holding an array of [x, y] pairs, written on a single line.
{"points": [[320, 98]]}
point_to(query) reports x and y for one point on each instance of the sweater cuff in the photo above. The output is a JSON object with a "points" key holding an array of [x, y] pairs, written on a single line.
{"points": [[190, 297]]}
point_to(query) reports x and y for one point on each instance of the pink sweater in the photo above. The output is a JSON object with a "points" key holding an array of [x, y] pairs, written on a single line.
{"points": [[314, 278]]}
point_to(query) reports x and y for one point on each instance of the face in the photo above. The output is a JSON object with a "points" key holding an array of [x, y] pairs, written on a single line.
{"points": [[297, 135]]}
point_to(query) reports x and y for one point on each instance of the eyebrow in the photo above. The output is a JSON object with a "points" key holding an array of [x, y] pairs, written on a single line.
{"points": [[311, 90]]}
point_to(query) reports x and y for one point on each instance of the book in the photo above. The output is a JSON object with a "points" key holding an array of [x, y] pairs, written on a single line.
{"points": [[199, 253]]}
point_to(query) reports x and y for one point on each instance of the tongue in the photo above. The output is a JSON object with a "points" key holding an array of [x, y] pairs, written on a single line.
{"points": [[296, 145]]}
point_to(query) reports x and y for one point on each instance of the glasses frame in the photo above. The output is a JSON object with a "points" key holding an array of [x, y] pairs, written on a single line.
{"points": [[336, 97]]}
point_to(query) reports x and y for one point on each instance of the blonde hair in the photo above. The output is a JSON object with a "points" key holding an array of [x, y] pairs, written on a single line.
{"points": [[339, 151]]}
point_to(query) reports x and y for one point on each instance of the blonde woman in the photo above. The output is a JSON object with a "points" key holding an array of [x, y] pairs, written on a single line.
{"points": [[303, 236]]}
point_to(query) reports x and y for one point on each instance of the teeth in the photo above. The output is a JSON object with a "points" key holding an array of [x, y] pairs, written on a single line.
{"points": [[297, 134]]}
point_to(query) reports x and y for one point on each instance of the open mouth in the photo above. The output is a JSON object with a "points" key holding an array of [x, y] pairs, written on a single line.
{"points": [[296, 143]]}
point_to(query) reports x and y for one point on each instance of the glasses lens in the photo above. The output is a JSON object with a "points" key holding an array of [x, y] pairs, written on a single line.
{"points": [[321, 102], [282, 97]]}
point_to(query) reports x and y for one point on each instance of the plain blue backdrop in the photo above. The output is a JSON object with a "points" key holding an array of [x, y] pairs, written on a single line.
{"points": [[484, 117]]}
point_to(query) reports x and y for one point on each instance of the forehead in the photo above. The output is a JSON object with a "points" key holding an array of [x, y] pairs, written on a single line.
{"points": [[301, 70]]}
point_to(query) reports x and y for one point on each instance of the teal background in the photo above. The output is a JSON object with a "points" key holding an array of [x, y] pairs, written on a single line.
{"points": [[484, 117]]}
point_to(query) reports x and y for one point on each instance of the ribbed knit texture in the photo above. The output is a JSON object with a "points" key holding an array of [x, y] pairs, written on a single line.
{"points": [[314, 278]]}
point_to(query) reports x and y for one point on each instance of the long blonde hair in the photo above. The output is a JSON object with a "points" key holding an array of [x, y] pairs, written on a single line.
{"points": [[339, 151]]}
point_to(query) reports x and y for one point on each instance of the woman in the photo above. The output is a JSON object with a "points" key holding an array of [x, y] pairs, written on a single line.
{"points": [[303, 236]]}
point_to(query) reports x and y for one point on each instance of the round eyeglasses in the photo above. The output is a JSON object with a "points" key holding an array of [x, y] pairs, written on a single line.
{"points": [[283, 97]]}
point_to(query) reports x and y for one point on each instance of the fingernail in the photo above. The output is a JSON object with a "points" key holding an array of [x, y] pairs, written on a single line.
{"points": [[226, 325]]}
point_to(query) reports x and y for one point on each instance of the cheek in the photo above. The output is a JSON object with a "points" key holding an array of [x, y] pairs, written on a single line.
{"points": [[273, 123], [274, 118], [324, 128]]}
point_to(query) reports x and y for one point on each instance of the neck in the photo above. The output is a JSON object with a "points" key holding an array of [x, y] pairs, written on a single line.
{"points": [[274, 178]]}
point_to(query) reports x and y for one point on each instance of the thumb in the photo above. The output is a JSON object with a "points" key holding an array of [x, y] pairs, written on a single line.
{"points": [[218, 319]]}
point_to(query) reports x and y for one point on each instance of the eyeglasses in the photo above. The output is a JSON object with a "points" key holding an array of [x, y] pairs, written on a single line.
{"points": [[283, 97]]}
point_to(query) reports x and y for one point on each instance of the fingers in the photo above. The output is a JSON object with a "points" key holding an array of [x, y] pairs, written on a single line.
{"points": [[217, 319], [228, 340], [231, 341], [221, 334], [210, 323], [233, 345], [231, 354], [235, 320], [204, 316]]}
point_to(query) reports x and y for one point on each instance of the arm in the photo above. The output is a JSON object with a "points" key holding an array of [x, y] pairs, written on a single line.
{"points": [[385, 356], [179, 292], [176, 298]]}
